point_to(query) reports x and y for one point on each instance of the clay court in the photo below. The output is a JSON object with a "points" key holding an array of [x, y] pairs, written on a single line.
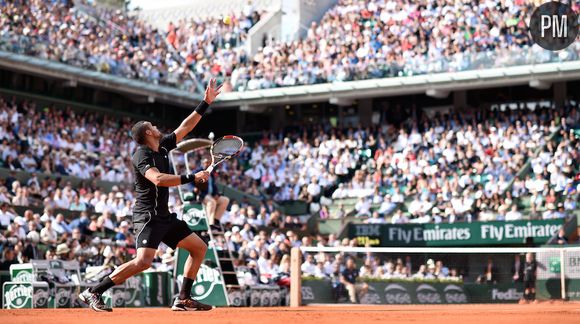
{"points": [[432, 314]]}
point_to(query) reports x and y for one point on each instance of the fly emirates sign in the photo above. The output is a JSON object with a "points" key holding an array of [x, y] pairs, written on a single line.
{"points": [[460, 234]]}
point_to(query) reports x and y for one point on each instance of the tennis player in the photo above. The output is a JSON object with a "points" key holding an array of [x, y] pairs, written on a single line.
{"points": [[152, 221]]}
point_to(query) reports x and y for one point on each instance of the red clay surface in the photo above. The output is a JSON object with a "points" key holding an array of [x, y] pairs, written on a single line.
{"points": [[333, 314]]}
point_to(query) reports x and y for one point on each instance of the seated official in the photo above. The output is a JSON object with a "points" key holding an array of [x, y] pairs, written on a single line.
{"points": [[215, 204]]}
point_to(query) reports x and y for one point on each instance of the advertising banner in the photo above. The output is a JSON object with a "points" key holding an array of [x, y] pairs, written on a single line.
{"points": [[209, 286], [398, 293], [457, 234]]}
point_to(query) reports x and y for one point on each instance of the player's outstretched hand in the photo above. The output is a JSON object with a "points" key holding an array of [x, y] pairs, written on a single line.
{"points": [[212, 91], [201, 177]]}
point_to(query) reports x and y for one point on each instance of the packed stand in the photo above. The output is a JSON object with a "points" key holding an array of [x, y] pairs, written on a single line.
{"points": [[354, 40], [66, 142], [118, 43], [552, 184], [292, 165], [358, 40], [457, 167]]}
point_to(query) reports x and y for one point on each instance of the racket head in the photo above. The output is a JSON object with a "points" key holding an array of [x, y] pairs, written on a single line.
{"points": [[225, 148]]}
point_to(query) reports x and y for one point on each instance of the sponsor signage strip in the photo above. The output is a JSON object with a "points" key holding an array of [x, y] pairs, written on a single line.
{"points": [[458, 234], [321, 291]]}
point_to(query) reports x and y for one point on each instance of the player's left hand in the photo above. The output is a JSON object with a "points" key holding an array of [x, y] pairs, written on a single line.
{"points": [[212, 91]]}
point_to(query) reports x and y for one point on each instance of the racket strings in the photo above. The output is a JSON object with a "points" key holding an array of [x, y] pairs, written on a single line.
{"points": [[227, 147]]}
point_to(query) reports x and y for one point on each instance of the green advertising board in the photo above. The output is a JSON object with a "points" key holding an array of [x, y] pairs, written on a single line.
{"points": [[21, 272], [401, 292], [498, 293], [320, 291], [457, 234], [135, 291], [209, 286], [61, 296], [158, 288], [25, 295], [194, 216]]}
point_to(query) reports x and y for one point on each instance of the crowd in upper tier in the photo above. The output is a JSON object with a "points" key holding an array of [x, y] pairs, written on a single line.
{"points": [[353, 40]]}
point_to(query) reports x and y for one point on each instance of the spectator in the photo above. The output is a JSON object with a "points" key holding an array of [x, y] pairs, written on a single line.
{"points": [[8, 259], [60, 225], [375, 219], [513, 214], [63, 252], [489, 273], [48, 235], [215, 204], [7, 215], [308, 267], [123, 231], [363, 207]]}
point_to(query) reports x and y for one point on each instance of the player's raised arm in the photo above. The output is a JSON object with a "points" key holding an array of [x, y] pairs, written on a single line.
{"points": [[211, 92], [171, 180]]}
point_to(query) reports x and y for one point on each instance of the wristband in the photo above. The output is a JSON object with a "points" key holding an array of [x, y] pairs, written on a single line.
{"points": [[187, 178], [202, 107]]}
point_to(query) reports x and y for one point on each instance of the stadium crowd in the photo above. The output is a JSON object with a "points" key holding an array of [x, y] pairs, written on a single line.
{"points": [[50, 140], [94, 146], [406, 163], [461, 166], [117, 42], [426, 163], [354, 40]]}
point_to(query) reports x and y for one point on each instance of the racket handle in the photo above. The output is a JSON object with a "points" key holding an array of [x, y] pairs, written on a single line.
{"points": [[209, 169]]}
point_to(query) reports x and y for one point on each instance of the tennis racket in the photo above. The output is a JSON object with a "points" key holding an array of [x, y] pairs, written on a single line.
{"points": [[224, 149]]}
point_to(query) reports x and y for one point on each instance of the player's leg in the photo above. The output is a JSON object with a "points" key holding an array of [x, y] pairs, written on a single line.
{"points": [[141, 263], [148, 236], [93, 296], [196, 248], [181, 236], [221, 205]]}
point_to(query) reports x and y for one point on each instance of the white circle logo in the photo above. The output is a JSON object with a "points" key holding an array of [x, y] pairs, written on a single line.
{"points": [[199, 290]]}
